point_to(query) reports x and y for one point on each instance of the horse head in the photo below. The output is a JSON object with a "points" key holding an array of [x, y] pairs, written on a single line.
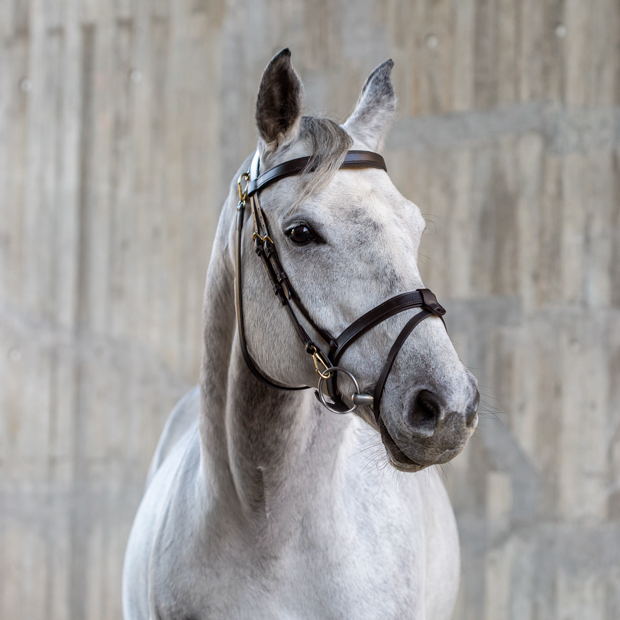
{"points": [[348, 241]]}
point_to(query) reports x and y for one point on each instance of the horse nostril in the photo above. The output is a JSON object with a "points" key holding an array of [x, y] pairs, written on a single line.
{"points": [[424, 414], [472, 410]]}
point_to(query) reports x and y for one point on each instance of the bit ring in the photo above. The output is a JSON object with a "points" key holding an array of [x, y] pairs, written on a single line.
{"points": [[322, 380]]}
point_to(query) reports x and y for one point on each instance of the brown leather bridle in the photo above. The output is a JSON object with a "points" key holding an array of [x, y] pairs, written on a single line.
{"points": [[326, 364]]}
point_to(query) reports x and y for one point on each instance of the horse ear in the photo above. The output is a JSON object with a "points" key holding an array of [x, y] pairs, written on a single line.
{"points": [[279, 102], [374, 112]]}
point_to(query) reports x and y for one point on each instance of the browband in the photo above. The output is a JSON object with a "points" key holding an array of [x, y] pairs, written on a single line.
{"points": [[353, 159]]}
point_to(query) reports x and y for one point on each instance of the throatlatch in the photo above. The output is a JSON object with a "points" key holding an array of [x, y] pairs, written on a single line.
{"points": [[326, 364]]}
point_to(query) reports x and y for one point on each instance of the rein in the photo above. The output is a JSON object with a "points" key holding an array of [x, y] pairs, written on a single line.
{"points": [[326, 364]]}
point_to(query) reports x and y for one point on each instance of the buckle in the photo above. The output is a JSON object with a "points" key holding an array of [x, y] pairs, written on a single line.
{"points": [[319, 358], [243, 191]]}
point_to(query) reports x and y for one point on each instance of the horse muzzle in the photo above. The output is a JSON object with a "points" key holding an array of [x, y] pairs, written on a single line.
{"points": [[430, 430]]}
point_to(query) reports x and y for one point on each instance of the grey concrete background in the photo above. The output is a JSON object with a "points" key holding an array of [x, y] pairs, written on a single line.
{"points": [[121, 123]]}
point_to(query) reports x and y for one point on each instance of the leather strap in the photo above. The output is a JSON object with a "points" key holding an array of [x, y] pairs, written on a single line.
{"points": [[353, 159], [396, 347], [265, 248], [420, 298], [240, 318], [372, 318]]}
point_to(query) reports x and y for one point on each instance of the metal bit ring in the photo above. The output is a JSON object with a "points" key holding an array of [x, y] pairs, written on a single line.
{"points": [[322, 380]]}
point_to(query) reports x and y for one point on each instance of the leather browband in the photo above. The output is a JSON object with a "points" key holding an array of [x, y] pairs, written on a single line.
{"points": [[353, 159]]}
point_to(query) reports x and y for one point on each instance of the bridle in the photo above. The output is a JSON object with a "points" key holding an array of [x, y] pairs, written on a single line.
{"points": [[326, 364]]}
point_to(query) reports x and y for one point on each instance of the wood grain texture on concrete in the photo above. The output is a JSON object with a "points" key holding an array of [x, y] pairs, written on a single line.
{"points": [[121, 125]]}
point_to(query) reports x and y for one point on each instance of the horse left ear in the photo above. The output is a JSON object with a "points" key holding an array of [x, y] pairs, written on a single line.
{"points": [[279, 102], [375, 109]]}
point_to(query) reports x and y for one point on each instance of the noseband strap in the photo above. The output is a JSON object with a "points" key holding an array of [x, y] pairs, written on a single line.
{"points": [[421, 298], [266, 250]]}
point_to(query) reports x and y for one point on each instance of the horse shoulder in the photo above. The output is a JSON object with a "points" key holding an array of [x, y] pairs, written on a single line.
{"points": [[184, 414], [158, 507]]}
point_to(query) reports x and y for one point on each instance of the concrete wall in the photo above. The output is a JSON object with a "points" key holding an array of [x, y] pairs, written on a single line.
{"points": [[121, 123]]}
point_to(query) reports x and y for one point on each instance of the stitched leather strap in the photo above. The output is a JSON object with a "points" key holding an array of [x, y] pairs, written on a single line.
{"points": [[396, 347], [420, 298], [240, 318], [372, 318], [353, 159]]}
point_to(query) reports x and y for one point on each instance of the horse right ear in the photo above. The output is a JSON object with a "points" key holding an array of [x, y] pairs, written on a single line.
{"points": [[279, 102]]}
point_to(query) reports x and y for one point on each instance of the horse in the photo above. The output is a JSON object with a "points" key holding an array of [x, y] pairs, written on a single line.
{"points": [[264, 501]]}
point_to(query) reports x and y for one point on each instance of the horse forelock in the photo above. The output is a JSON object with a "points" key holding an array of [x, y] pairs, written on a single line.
{"points": [[329, 144]]}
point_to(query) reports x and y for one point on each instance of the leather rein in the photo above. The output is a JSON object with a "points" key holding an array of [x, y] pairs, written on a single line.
{"points": [[326, 364]]}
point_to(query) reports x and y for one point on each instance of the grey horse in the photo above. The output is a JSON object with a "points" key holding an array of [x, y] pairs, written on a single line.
{"points": [[260, 503]]}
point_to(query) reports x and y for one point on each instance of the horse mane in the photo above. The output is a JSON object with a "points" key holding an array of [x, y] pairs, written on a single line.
{"points": [[329, 144]]}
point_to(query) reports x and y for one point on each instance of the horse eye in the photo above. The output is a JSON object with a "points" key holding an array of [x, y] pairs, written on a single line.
{"points": [[300, 234]]}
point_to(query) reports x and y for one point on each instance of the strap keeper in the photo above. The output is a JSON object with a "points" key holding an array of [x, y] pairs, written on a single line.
{"points": [[279, 293], [286, 287], [429, 301]]}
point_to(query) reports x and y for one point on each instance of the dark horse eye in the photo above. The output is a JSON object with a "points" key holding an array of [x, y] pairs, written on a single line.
{"points": [[300, 234]]}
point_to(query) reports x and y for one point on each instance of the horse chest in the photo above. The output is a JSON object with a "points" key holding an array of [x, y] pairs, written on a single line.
{"points": [[339, 569]]}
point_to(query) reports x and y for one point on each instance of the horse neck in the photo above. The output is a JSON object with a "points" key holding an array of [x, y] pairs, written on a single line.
{"points": [[265, 453]]}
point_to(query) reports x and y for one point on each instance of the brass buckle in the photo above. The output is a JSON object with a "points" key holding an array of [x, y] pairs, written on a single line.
{"points": [[319, 358], [243, 191], [256, 235]]}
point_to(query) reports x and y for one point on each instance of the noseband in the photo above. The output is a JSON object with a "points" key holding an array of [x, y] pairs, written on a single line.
{"points": [[326, 364]]}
